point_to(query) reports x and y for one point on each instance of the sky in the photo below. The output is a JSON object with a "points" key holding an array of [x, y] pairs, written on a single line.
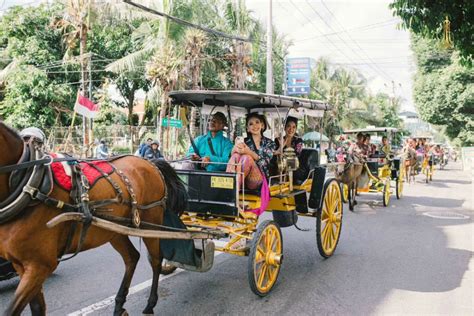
{"points": [[361, 34]]}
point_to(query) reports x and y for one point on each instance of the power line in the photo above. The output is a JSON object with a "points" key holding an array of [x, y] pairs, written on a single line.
{"points": [[364, 28], [189, 24], [317, 29], [377, 71], [357, 44]]}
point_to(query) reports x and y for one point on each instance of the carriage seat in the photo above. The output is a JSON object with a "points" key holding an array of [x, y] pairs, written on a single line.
{"points": [[308, 159]]}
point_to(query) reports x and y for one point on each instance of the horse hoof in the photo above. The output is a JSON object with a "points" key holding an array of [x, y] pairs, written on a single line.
{"points": [[121, 312]]}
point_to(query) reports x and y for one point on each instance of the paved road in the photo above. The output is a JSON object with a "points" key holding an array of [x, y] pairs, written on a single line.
{"points": [[394, 260]]}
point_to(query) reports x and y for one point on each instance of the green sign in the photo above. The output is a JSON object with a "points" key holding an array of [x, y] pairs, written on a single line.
{"points": [[172, 123]]}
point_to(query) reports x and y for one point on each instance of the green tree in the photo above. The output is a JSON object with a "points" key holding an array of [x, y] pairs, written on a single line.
{"points": [[425, 17], [444, 91]]}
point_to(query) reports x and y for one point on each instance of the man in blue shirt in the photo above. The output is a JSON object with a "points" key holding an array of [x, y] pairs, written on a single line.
{"points": [[212, 147]]}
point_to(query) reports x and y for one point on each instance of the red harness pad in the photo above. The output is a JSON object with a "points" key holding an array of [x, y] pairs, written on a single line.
{"points": [[92, 175]]}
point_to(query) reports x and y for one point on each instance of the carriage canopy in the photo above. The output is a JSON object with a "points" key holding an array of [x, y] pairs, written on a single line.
{"points": [[248, 100]]}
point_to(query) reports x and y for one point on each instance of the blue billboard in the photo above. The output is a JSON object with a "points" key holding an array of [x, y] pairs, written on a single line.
{"points": [[298, 74]]}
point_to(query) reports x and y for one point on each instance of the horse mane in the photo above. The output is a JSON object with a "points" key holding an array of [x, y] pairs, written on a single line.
{"points": [[177, 195]]}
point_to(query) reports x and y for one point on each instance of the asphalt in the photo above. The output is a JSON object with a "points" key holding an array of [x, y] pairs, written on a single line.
{"points": [[413, 257]]}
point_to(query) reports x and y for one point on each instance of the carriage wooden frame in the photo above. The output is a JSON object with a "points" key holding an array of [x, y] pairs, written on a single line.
{"points": [[382, 171], [245, 236]]}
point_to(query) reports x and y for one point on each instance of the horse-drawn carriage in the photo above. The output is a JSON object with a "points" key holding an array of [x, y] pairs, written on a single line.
{"points": [[380, 168], [217, 203], [110, 200], [425, 158]]}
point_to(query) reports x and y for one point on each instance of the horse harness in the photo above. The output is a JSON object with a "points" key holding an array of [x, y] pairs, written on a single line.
{"points": [[31, 182]]}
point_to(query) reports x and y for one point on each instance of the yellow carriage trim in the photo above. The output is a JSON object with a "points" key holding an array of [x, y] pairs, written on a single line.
{"points": [[222, 182]]}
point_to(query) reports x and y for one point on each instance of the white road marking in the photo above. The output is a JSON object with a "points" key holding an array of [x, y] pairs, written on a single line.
{"points": [[446, 215], [133, 290]]}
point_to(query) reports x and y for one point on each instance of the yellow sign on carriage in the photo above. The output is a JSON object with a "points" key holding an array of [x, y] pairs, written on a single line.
{"points": [[222, 182]]}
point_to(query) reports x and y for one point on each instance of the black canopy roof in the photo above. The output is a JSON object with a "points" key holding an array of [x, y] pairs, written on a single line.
{"points": [[243, 99]]}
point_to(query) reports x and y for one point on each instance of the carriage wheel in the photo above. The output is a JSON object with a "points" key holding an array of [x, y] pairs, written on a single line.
{"points": [[345, 193], [352, 197], [399, 187], [266, 255], [386, 193], [329, 219], [167, 268]]}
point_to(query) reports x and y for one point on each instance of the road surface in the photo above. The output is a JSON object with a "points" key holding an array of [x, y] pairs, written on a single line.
{"points": [[413, 257]]}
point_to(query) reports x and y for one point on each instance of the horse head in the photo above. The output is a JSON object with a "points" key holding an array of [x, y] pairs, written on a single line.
{"points": [[12, 148]]}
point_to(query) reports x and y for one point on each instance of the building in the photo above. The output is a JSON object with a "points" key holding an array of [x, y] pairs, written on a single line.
{"points": [[414, 124]]}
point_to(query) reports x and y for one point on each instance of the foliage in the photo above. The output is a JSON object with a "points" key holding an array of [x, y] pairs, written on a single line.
{"points": [[444, 91], [32, 99], [425, 17], [30, 38], [353, 105]]}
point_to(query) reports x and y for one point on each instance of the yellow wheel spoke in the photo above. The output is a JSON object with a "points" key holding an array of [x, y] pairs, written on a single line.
{"points": [[324, 230], [269, 239], [261, 275]]}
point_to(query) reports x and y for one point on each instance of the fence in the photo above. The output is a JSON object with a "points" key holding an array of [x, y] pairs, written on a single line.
{"points": [[120, 139]]}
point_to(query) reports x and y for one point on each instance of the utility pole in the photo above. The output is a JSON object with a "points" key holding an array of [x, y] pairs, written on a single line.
{"points": [[269, 86], [82, 52]]}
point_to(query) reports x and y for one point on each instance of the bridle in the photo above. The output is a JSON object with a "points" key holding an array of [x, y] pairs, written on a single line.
{"points": [[35, 185], [31, 168]]}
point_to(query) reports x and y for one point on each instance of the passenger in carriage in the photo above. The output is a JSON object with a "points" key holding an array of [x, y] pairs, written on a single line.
{"points": [[368, 146], [252, 156], [291, 138], [357, 149], [213, 149], [385, 147]]}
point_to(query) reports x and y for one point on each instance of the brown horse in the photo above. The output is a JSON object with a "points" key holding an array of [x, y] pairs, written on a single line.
{"points": [[34, 249], [410, 165], [348, 173]]}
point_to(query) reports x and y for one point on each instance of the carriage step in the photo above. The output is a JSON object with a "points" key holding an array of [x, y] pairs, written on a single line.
{"points": [[206, 262]]}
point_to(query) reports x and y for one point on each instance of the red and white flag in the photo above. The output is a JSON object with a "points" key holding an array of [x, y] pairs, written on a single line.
{"points": [[86, 107]]}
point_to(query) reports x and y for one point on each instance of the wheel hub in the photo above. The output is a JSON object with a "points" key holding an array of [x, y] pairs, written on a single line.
{"points": [[273, 258]]}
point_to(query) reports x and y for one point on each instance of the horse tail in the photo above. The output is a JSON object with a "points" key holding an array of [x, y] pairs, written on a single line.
{"points": [[177, 195]]}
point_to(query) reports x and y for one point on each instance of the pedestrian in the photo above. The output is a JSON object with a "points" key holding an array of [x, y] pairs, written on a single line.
{"points": [[144, 146], [152, 151], [102, 151]]}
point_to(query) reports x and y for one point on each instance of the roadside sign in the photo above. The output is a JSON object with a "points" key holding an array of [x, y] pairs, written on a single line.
{"points": [[172, 123], [298, 76], [467, 156]]}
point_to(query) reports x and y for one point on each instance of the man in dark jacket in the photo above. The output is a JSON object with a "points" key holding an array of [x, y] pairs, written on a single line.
{"points": [[152, 152], [143, 147]]}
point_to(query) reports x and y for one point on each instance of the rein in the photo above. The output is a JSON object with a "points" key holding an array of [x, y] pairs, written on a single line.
{"points": [[36, 185]]}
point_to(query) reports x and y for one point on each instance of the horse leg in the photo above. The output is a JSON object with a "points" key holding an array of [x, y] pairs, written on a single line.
{"points": [[30, 290], [38, 304], [130, 256], [155, 258]]}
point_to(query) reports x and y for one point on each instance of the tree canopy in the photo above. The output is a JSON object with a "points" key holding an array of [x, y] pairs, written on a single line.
{"points": [[425, 17], [444, 90]]}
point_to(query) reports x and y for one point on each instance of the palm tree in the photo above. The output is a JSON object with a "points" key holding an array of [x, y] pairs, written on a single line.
{"points": [[163, 71]]}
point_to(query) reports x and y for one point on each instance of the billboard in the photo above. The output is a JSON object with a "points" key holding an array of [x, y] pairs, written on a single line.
{"points": [[298, 76]]}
